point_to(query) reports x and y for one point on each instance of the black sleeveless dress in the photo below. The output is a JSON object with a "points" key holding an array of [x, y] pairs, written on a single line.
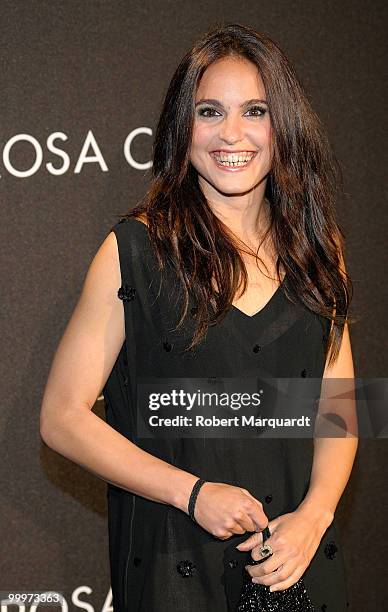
{"points": [[160, 560]]}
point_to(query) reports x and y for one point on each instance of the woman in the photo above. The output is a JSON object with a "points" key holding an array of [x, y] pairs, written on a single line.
{"points": [[243, 189]]}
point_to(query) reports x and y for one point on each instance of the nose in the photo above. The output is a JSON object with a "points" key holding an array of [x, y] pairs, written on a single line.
{"points": [[231, 130]]}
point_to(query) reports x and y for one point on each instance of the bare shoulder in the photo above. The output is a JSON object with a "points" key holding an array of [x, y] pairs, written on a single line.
{"points": [[92, 338], [103, 274]]}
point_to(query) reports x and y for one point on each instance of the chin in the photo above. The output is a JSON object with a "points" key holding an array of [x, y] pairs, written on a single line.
{"points": [[235, 188], [234, 192]]}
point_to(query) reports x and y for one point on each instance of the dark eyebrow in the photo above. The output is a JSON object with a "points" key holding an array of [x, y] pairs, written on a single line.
{"points": [[218, 103]]}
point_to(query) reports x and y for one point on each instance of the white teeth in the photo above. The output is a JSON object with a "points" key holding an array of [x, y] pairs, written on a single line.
{"points": [[233, 160]]}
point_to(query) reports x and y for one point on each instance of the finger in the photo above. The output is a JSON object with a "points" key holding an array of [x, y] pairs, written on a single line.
{"points": [[257, 538], [247, 523], [274, 561], [285, 584], [225, 536], [272, 540], [254, 540], [257, 515], [256, 553], [260, 520], [280, 576], [250, 542], [238, 528]]}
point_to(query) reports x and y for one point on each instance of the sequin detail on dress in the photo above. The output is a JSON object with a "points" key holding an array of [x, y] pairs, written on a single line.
{"points": [[331, 550], [255, 597], [126, 293], [185, 568]]}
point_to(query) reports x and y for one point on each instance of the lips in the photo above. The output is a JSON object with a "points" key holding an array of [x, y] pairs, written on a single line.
{"points": [[229, 152]]}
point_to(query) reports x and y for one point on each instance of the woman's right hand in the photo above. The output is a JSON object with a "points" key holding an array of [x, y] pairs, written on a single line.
{"points": [[224, 510]]}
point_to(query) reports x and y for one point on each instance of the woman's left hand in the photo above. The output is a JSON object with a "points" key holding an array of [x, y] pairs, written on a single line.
{"points": [[294, 539]]}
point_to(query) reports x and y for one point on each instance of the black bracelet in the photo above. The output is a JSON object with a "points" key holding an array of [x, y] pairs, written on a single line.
{"points": [[193, 497]]}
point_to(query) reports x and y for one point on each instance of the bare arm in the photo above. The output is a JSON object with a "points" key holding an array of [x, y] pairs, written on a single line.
{"points": [[333, 457], [83, 361]]}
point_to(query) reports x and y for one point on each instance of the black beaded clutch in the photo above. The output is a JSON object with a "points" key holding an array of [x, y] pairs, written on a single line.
{"points": [[258, 598]]}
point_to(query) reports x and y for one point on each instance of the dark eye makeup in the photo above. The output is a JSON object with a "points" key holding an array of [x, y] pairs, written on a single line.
{"points": [[259, 111]]}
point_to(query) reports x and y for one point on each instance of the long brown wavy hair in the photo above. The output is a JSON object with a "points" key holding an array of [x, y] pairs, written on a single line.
{"points": [[301, 190]]}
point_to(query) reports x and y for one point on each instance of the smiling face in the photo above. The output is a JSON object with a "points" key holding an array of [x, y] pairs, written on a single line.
{"points": [[232, 141]]}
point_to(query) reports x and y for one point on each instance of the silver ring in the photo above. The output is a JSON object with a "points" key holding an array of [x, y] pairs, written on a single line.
{"points": [[266, 550]]}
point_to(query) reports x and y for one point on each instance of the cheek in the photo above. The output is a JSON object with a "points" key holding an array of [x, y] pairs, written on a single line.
{"points": [[265, 142], [261, 135], [269, 137], [202, 135]]}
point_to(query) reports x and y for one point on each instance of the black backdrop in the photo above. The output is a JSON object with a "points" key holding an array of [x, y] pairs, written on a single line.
{"points": [[88, 77]]}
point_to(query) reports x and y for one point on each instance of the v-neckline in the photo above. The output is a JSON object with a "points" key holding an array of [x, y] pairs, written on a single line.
{"points": [[234, 308], [264, 308]]}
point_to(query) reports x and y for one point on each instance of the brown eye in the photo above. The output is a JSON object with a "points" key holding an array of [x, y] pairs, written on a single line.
{"points": [[259, 111], [206, 109]]}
